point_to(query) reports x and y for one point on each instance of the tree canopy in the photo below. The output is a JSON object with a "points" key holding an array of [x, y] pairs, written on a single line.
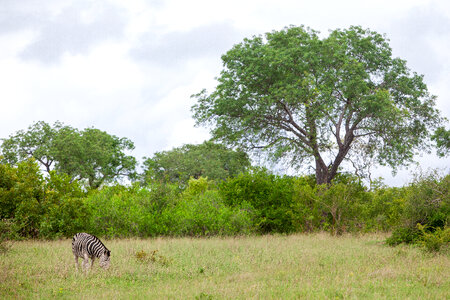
{"points": [[304, 98], [89, 155], [211, 160], [442, 138], [36, 142]]}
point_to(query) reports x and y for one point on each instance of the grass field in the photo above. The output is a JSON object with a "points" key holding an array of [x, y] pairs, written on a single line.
{"points": [[315, 266]]}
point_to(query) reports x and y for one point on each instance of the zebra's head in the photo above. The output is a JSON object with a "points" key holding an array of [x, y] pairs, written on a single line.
{"points": [[104, 259]]}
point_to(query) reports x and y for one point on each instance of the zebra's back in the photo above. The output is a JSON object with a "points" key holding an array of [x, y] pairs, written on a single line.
{"points": [[84, 243]]}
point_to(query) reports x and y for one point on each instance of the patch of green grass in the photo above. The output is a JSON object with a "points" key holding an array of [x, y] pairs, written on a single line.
{"points": [[312, 266]]}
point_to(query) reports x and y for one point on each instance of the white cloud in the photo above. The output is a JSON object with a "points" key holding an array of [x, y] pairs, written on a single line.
{"points": [[176, 48], [129, 67]]}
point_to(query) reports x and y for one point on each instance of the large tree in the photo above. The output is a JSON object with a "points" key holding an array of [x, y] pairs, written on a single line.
{"points": [[90, 155], [323, 100], [211, 160]]}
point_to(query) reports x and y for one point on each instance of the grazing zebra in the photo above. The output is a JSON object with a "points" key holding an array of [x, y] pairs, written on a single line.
{"points": [[88, 246]]}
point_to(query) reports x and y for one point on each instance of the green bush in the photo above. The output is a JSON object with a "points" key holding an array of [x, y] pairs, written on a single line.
{"points": [[385, 209], [405, 235], [28, 196], [156, 201], [135, 211], [434, 241], [114, 212], [39, 207], [64, 219], [428, 201], [269, 195], [202, 212], [427, 210], [34, 206], [65, 212], [343, 203], [8, 232], [306, 213]]}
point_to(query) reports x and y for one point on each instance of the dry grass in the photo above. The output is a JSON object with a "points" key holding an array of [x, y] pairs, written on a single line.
{"points": [[313, 266]]}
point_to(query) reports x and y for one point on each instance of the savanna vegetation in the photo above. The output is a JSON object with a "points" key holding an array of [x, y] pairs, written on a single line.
{"points": [[289, 95], [253, 202]]}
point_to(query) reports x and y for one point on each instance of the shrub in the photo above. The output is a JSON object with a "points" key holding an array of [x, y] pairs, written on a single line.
{"points": [[39, 207], [201, 211], [342, 204], [114, 212], [65, 211], [435, 240], [135, 211], [427, 210], [385, 209], [28, 194], [428, 201], [8, 232], [306, 213], [405, 235], [270, 196], [64, 219]]}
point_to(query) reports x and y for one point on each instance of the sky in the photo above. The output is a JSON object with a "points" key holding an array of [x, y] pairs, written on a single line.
{"points": [[129, 67]]}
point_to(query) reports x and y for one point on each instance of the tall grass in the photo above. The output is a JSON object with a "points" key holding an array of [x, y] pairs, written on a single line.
{"points": [[312, 266]]}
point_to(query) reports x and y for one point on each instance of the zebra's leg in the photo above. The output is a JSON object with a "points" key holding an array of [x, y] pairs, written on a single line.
{"points": [[86, 261], [76, 262], [92, 262]]}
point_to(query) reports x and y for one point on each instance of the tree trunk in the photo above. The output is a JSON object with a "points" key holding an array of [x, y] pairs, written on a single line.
{"points": [[322, 173]]}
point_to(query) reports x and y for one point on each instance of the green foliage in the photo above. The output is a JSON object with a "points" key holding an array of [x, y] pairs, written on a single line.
{"points": [[434, 241], [306, 213], [426, 213], [302, 98], [133, 211], [405, 235], [96, 156], [40, 207], [64, 219], [34, 206], [343, 204], [91, 155], [8, 179], [442, 138], [8, 232], [202, 212], [385, 208], [36, 142], [268, 195], [428, 201], [208, 160], [65, 212], [28, 194]]}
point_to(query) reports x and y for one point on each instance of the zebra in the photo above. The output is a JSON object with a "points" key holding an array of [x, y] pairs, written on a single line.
{"points": [[88, 246]]}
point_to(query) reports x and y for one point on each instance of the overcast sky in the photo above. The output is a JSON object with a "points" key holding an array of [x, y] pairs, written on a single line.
{"points": [[128, 67]]}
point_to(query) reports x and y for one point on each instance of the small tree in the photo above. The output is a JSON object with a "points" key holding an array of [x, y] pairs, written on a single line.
{"points": [[296, 95], [211, 160]]}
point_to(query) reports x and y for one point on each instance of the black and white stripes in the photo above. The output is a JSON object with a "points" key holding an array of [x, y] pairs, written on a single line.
{"points": [[88, 246]]}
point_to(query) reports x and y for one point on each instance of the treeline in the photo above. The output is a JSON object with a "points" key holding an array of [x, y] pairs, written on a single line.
{"points": [[57, 180], [252, 202]]}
